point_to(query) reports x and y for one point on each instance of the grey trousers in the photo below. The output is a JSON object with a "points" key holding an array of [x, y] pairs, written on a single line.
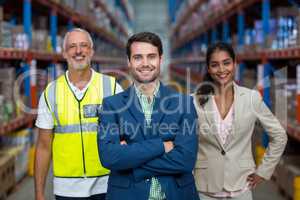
{"points": [[244, 196]]}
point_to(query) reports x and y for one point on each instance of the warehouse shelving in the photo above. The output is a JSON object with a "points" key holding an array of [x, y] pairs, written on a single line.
{"points": [[288, 53], [85, 21], [187, 60], [128, 10], [17, 123], [234, 19], [231, 17], [293, 130], [41, 63], [211, 21], [232, 23], [17, 54], [112, 18], [187, 13]]}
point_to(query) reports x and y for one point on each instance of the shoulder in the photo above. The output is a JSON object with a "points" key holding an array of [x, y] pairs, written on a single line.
{"points": [[249, 95], [116, 98], [104, 75], [246, 91], [176, 96], [53, 83]]}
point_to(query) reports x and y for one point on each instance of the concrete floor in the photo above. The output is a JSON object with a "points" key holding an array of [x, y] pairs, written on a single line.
{"points": [[25, 190]]}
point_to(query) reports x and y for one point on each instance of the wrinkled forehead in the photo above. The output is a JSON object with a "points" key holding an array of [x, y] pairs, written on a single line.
{"points": [[77, 37]]}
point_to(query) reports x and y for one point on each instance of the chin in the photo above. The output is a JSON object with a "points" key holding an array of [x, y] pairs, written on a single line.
{"points": [[146, 80]]}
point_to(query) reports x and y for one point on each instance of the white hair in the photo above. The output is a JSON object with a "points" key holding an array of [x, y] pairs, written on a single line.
{"points": [[77, 30]]}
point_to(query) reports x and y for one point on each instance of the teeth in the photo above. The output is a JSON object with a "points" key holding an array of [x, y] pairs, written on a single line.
{"points": [[145, 70], [79, 58], [223, 76]]}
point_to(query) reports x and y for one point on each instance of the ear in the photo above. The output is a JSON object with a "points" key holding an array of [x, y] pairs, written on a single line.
{"points": [[161, 59], [64, 54], [128, 62], [92, 52]]}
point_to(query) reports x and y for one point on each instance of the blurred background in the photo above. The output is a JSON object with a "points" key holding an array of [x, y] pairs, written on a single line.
{"points": [[264, 33]]}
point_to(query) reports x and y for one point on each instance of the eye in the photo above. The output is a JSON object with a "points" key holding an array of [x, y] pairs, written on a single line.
{"points": [[137, 58], [84, 45], [227, 63], [72, 46], [152, 56], [214, 65]]}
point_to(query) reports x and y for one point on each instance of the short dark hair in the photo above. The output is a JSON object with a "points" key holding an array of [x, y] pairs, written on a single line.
{"points": [[147, 37]]}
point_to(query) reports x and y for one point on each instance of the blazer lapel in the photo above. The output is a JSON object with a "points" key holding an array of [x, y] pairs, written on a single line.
{"points": [[131, 101], [209, 113], [237, 113], [159, 107]]}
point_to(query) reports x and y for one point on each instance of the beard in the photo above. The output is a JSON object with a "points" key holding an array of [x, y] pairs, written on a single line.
{"points": [[80, 66]]}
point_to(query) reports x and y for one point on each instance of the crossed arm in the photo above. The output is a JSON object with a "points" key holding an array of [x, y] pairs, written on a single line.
{"points": [[148, 157]]}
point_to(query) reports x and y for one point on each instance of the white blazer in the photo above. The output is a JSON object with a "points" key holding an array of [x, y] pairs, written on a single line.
{"points": [[227, 166]]}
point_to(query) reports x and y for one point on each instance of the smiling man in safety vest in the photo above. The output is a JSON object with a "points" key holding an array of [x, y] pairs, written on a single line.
{"points": [[67, 122]]}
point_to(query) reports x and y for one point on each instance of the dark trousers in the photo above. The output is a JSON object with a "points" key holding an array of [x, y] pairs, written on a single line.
{"points": [[94, 197]]}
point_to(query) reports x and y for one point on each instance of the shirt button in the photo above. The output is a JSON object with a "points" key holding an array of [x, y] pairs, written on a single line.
{"points": [[223, 152]]}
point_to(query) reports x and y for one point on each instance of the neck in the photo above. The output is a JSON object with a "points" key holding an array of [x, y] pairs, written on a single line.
{"points": [[225, 91], [147, 88], [80, 77]]}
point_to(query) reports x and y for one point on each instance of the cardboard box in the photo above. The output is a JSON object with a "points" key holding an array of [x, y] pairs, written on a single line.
{"points": [[7, 178], [20, 155], [5, 34]]}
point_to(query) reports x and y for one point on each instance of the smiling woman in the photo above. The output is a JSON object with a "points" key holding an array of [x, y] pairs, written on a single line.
{"points": [[225, 167]]}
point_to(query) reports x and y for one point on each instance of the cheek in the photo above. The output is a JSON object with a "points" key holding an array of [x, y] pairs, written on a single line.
{"points": [[155, 63], [211, 71], [232, 69]]}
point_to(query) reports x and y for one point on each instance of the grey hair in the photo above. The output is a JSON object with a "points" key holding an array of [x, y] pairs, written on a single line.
{"points": [[77, 30]]}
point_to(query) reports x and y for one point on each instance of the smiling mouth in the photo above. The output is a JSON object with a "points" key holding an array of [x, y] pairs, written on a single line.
{"points": [[223, 76], [79, 58], [145, 70]]}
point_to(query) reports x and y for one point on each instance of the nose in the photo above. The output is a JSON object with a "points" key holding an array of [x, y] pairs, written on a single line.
{"points": [[221, 68], [78, 49], [145, 62]]}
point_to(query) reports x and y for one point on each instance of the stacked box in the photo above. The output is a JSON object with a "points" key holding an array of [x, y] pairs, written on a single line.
{"points": [[7, 79], [7, 178], [69, 3], [287, 170], [1, 13], [19, 38], [17, 138], [5, 34], [298, 29], [20, 154], [39, 40], [83, 7]]}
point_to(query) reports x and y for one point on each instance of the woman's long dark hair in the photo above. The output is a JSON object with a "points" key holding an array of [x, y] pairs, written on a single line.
{"points": [[207, 88]]}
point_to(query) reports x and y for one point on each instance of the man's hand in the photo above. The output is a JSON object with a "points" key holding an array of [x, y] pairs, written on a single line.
{"points": [[40, 197], [169, 145], [254, 180], [123, 142]]}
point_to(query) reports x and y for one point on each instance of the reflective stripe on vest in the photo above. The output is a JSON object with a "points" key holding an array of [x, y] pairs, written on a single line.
{"points": [[76, 128], [52, 100]]}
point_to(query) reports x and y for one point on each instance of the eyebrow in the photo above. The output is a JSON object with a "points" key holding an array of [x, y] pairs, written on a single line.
{"points": [[150, 54], [225, 60]]}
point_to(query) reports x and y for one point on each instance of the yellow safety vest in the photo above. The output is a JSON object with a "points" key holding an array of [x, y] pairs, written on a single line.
{"points": [[74, 147]]}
